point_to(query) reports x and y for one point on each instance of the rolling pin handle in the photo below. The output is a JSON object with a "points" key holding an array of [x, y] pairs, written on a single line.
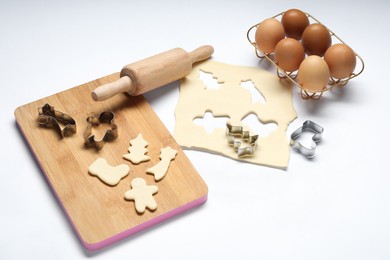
{"points": [[106, 91], [202, 53]]}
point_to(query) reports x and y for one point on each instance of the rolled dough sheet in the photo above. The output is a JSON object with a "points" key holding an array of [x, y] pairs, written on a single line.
{"points": [[234, 101]]}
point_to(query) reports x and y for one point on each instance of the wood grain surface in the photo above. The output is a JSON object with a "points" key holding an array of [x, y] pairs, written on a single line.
{"points": [[97, 211]]}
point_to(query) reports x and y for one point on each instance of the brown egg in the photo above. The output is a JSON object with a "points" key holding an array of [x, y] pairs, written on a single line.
{"points": [[294, 22], [313, 74], [268, 33], [289, 54], [316, 39], [341, 60]]}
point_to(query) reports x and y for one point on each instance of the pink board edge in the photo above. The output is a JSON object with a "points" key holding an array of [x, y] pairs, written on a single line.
{"points": [[145, 225], [124, 234]]}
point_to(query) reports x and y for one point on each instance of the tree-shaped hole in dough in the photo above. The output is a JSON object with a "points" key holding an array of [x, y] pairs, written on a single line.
{"points": [[210, 81]]}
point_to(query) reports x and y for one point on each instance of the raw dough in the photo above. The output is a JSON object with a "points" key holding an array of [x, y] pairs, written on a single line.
{"points": [[137, 150], [108, 174], [142, 195], [234, 101], [160, 169]]}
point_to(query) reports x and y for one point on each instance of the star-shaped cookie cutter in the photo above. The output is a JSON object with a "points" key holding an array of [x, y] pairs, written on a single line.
{"points": [[110, 135], [235, 135], [308, 126], [49, 117]]}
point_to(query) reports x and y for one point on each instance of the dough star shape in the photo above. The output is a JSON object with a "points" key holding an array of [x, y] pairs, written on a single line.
{"points": [[110, 175], [159, 170], [137, 150], [142, 195]]}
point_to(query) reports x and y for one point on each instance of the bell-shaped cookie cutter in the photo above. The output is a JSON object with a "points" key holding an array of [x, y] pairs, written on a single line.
{"points": [[308, 126], [49, 117], [235, 133], [110, 135]]}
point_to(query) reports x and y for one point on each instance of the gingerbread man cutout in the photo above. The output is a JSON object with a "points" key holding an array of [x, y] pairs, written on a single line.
{"points": [[142, 195]]}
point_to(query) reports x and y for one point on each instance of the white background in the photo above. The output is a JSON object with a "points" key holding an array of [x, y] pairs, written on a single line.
{"points": [[335, 206]]}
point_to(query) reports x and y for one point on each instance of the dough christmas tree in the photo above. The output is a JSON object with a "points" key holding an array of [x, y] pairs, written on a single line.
{"points": [[137, 150]]}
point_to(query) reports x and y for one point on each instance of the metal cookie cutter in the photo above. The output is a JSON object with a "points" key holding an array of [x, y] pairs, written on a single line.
{"points": [[49, 117], [308, 126], [110, 135], [235, 133]]}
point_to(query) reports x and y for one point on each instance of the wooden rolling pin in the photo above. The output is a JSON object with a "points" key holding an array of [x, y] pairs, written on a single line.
{"points": [[153, 72]]}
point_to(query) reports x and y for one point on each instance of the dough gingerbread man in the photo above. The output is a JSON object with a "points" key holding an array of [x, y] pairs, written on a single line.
{"points": [[142, 195]]}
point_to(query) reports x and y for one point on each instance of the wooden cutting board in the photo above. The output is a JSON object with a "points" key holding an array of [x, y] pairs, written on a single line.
{"points": [[99, 213]]}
